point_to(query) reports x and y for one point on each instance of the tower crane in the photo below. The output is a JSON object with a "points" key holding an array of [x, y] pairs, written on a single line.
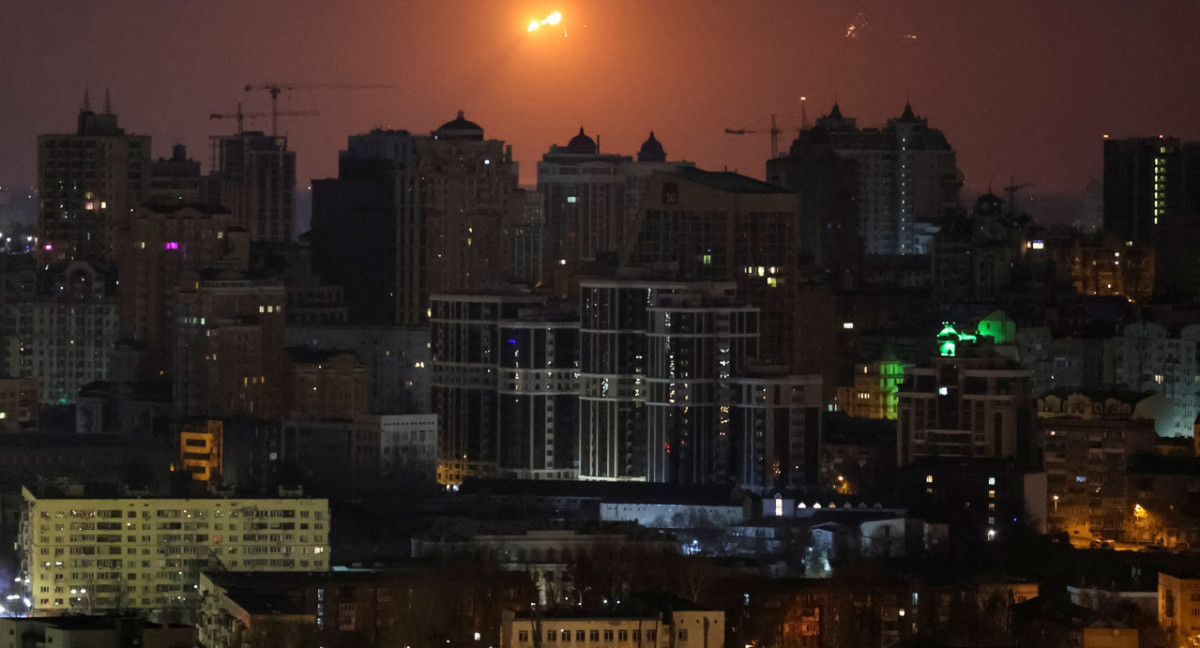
{"points": [[241, 116], [276, 88], [1011, 191], [774, 131]]}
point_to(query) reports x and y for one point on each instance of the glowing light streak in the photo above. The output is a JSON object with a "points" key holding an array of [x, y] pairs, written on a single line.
{"points": [[552, 19]]}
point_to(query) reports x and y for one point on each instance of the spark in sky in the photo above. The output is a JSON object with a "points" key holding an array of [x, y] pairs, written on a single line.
{"points": [[552, 19], [856, 27]]}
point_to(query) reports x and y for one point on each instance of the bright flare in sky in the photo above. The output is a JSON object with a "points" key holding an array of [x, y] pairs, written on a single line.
{"points": [[552, 19]]}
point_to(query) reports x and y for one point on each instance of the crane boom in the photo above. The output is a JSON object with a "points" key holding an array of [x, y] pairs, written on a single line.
{"points": [[276, 88], [775, 131], [240, 116]]}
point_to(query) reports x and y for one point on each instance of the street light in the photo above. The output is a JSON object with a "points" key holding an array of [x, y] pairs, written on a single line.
{"points": [[1139, 516], [1055, 498]]}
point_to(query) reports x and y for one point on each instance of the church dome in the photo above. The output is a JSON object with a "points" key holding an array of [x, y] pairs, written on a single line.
{"points": [[652, 151], [582, 144], [459, 128]]}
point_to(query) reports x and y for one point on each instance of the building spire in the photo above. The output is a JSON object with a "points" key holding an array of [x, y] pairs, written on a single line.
{"points": [[107, 102], [87, 101]]}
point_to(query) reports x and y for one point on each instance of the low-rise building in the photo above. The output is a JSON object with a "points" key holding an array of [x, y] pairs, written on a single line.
{"points": [[674, 627], [93, 632], [18, 404], [1179, 609]]}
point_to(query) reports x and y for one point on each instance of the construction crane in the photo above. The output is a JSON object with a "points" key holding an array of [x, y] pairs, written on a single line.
{"points": [[1011, 191], [775, 131], [241, 116], [276, 88]]}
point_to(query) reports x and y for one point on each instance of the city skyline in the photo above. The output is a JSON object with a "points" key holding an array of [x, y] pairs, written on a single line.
{"points": [[1023, 90]]}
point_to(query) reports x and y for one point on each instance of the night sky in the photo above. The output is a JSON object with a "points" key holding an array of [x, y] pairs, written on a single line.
{"points": [[1020, 87]]}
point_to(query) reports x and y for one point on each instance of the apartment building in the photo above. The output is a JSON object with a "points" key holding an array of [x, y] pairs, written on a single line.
{"points": [[82, 555]]}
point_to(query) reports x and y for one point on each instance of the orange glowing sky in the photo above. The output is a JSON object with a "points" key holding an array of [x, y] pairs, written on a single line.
{"points": [[1021, 87]]}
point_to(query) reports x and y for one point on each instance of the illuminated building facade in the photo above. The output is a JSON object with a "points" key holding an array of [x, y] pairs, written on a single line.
{"points": [[965, 405], [539, 395], [1178, 614], [907, 173], [695, 345], [669, 391], [78, 553], [874, 392], [1088, 441], [201, 451], [1110, 267], [700, 225], [614, 367], [1147, 357], [465, 368], [679, 627], [88, 183], [775, 429], [1143, 184]]}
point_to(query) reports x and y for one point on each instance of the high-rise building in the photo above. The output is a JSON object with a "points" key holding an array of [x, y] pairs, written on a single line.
{"points": [[229, 352], [777, 429], [411, 215], [354, 223], [539, 395], [88, 183], [165, 244], [669, 391], [695, 345], [591, 199], [460, 201], [584, 196], [696, 225], [254, 177], [175, 179], [965, 403], [465, 364], [1143, 184], [75, 549], [1152, 196], [826, 186], [907, 174]]}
